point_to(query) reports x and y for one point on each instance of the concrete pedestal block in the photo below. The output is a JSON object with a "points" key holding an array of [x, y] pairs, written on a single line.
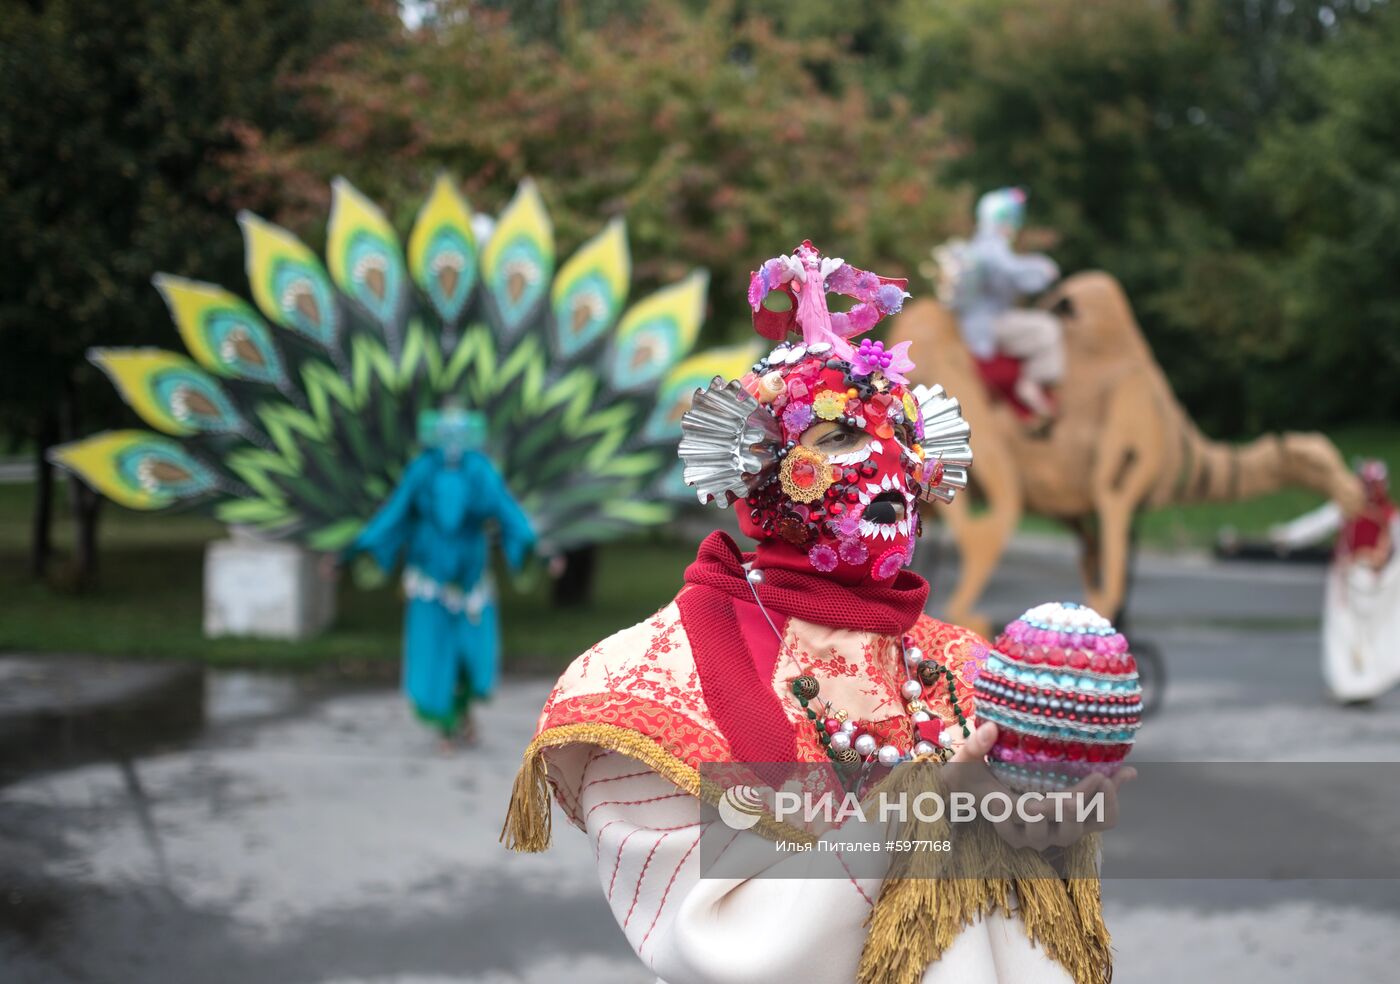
{"points": [[265, 590]]}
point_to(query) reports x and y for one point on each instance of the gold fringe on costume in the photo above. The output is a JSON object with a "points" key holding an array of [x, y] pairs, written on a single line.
{"points": [[527, 827], [929, 898], [528, 819]]}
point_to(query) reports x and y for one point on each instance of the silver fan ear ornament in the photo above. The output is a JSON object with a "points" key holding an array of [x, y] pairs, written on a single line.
{"points": [[947, 437], [729, 443]]}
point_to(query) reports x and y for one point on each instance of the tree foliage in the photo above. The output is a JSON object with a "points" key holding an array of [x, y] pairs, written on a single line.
{"points": [[1329, 176], [113, 119], [713, 133], [1233, 163], [115, 123]]}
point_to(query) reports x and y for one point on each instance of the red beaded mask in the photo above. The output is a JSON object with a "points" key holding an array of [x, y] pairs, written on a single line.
{"points": [[847, 496], [824, 445]]}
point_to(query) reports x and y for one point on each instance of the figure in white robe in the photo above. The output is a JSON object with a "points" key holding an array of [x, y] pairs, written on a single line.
{"points": [[1361, 617]]}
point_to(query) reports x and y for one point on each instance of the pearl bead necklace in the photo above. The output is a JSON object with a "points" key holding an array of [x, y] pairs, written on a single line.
{"points": [[844, 740]]}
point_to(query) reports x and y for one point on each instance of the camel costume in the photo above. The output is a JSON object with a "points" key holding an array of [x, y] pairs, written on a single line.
{"points": [[812, 648]]}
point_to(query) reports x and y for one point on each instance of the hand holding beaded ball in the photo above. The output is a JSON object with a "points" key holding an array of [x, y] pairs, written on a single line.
{"points": [[1063, 690]]}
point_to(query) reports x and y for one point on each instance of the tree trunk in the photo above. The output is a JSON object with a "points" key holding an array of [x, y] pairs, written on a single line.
{"points": [[41, 533], [82, 501], [86, 506], [575, 586]]}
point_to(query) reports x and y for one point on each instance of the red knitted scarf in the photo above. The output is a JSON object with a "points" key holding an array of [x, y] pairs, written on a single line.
{"points": [[741, 698]]}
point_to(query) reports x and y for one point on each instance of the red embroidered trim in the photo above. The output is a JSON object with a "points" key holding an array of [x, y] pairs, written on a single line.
{"points": [[618, 864], [640, 802], [673, 731], [666, 894], [841, 856], [598, 782], [641, 876]]}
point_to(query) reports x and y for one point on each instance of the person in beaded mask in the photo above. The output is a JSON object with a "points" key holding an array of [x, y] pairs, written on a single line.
{"points": [[845, 462], [812, 648]]}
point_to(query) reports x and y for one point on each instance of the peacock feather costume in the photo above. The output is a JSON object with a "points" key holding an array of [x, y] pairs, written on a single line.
{"points": [[297, 415]]}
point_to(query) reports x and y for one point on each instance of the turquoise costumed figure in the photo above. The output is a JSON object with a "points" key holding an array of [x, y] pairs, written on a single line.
{"points": [[437, 521], [315, 411]]}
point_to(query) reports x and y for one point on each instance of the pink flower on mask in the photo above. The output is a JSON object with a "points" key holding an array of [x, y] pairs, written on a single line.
{"points": [[797, 418], [822, 557], [847, 525], [853, 551], [901, 365], [872, 356], [888, 565]]}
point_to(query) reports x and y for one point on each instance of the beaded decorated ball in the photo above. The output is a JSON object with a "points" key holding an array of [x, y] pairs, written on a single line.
{"points": [[1063, 690]]}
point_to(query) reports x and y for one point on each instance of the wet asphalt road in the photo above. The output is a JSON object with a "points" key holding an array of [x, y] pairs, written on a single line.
{"points": [[322, 838]]}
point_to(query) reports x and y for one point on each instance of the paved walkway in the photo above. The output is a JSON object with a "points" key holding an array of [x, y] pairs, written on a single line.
{"points": [[61, 710], [324, 839]]}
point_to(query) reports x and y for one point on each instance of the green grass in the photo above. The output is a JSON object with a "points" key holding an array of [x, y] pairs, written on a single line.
{"points": [[1179, 526], [148, 598], [1196, 526]]}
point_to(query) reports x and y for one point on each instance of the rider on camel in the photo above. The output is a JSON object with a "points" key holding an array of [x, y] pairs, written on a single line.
{"points": [[986, 280]]}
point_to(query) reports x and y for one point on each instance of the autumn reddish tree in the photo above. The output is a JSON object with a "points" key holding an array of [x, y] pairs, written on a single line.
{"points": [[722, 140]]}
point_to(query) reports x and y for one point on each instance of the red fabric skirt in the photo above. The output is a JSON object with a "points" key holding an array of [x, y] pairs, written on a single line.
{"points": [[999, 375]]}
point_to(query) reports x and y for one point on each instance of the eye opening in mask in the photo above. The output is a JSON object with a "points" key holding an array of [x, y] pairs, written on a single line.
{"points": [[834, 437], [779, 301]]}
